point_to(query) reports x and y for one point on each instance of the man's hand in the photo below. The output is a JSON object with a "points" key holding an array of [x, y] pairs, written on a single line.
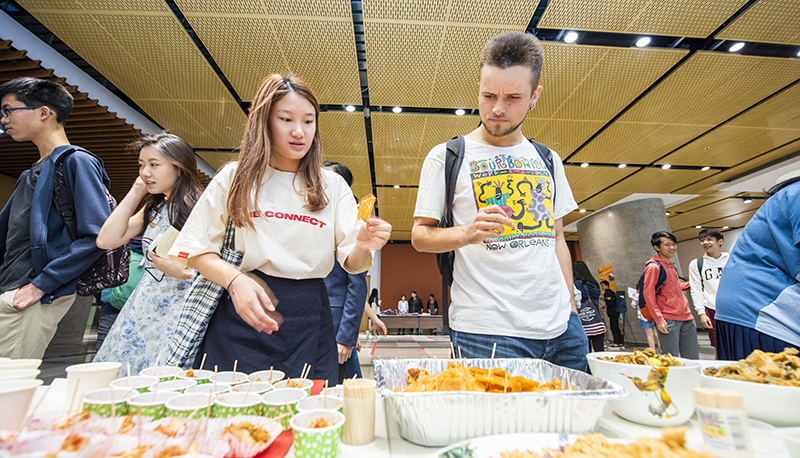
{"points": [[27, 296], [662, 328], [706, 321], [488, 224], [344, 352]]}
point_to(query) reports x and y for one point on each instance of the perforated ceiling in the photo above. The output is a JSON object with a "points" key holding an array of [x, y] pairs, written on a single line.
{"points": [[767, 21]]}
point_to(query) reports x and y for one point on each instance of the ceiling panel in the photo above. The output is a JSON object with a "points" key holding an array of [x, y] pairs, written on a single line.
{"points": [[712, 212], [586, 182], [344, 140], [700, 201], [561, 136], [657, 181], [637, 143], [603, 199], [401, 171], [217, 159], [682, 18], [767, 21], [314, 40]]}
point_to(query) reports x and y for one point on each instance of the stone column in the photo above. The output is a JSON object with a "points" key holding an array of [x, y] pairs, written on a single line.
{"points": [[620, 235]]}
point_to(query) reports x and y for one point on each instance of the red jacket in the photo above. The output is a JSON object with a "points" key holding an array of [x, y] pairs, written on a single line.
{"points": [[671, 303]]}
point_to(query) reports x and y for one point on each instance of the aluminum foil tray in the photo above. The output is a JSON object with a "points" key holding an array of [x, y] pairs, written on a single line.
{"points": [[438, 419]]}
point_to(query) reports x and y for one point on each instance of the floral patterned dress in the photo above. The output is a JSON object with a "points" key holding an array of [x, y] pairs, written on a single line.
{"points": [[142, 330]]}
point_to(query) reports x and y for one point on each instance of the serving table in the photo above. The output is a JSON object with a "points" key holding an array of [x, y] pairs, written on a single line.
{"points": [[412, 321], [388, 442]]}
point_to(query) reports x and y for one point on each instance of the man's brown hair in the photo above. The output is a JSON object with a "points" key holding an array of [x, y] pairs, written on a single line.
{"points": [[509, 49]]}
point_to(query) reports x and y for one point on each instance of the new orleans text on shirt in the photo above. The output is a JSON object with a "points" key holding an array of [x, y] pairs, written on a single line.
{"points": [[523, 188], [288, 217]]}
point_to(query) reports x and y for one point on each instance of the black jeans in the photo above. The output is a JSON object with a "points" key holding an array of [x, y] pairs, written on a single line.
{"points": [[613, 317]]}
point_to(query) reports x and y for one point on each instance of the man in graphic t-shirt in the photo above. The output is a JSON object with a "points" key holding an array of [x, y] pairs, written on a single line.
{"points": [[512, 266]]}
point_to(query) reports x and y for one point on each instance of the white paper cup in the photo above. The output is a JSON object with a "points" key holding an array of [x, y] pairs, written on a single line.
{"points": [[337, 391], [15, 399], [151, 404], [305, 383], [233, 404], [252, 387], [101, 401], [316, 442], [267, 376], [173, 385], [82, 378], [19, 374], [15, 364], [199, 376], [282, 402], [321, 402], [229, 377], [208, 388], [184, 404], [162, 372], [139, 382]]}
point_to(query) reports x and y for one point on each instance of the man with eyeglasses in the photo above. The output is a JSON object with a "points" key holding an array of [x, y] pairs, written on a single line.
{"points": [[663, 292], [40, 261]]}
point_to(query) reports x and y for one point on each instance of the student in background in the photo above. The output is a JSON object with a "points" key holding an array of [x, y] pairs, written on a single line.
{"points": [[649, 328], [588, 306], [704, 275], [433, 306], [610, 299]]}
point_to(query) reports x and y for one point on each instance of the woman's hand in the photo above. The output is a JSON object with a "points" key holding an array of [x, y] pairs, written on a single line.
{"points": [[139, 188], [374, 234], [380, 327], [255, 303], [169, 267]]}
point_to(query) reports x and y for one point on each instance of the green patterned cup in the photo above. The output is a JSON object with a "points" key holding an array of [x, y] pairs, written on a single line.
{"points": [[266, 376], [173, 385], [101, 401], [139, 382], [302, 383], [252, 387], [197, 375], [151, 404], [282, 402], [229, 377], [232, 404], [321, 402], [183, 405], [316, 442], [162, 372], [208, 388]]}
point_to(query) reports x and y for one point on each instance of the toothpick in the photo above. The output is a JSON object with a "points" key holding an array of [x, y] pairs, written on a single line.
{"points": [[155, 391], [249, 387], [494, 347], [270, 374], [129, 373], [325, 398], [459, 352], [203, 361], [452, 350], [158, 360], [215, 378], [74, 393], [235, 363]]}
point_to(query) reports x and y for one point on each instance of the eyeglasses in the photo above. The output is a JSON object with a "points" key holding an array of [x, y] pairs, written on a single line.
{"points": [[6, 112]]}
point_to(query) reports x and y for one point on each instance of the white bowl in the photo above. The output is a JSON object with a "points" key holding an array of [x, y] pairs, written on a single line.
{"points": [[14, 364], [267, 376], [197, 375], [19, 374], [673, 405], [16, 397], [773, 404]]}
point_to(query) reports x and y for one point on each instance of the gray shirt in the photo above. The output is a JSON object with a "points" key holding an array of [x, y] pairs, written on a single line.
{"points": [[17, 268]]}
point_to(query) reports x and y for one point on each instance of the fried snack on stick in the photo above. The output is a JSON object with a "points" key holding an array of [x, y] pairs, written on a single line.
{"points": [[365, 207]]}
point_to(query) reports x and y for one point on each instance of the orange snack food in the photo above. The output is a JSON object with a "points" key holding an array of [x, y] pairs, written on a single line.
{"points": [[74, 443], [319, 423], [365, 207], [135, 452], [457, 377], [69, 422], [248, 432], [292, 384], [190, 373], [172, 428]]}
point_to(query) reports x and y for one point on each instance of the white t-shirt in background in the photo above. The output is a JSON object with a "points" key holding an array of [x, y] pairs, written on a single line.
{"points": [[704, 293], [511, 285]]}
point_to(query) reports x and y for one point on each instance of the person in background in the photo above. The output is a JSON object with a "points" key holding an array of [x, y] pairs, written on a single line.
{"points": [[415, 306], [433, 306], [167, 189], [610, 299], [589, 306], [346, 293], [402, 305], [374, 302], [704, 275], [677, 330], [758, 301], [41, 262], [113, 299], [649, 328]]}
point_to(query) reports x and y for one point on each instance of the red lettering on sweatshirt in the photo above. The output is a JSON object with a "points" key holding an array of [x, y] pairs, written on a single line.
{"points": [[293, 217]]}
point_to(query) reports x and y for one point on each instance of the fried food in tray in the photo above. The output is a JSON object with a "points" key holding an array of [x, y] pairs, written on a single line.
{"points": [[248, 432], [671, 445], [644, 358], [763, 367], [457, 377]]}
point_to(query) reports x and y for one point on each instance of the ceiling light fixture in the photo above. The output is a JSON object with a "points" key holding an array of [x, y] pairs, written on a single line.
{"points": [[705, 169], [396, 110], [725, 227], [571, 37], [622, 166], [397, 186], [666, 166], [585, 164], [667, 213], [698, 227], [736, 47], [350, 108], [798, 53], [582, 210], [460, 112], [747, 200], [642, 42]]}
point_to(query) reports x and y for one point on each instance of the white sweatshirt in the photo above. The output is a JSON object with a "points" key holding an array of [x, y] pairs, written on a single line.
{"points": [[704, 293]]}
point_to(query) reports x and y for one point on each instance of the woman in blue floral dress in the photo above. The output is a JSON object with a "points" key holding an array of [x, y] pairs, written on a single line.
{"points": [[167, 188]]}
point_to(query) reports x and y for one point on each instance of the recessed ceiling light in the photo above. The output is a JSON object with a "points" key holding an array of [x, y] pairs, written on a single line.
{"points": [[666, 166], [622, 166], [396, 110], [736, 47], [667, 213], [582, 210], [705, 169], [585, 164], [571, 37], [350, 108], [642, 42], [698, 227], [748, 200], [798, 53], [725, 227], [460, 112], [397, 186]]}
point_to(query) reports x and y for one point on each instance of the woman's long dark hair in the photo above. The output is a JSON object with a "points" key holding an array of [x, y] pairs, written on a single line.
{"points": [[373, 296], [580, 271], [187, 187]]}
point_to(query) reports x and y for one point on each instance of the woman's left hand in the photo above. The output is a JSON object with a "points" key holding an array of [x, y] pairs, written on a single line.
{"points": [[374, 234], [170, 267]]}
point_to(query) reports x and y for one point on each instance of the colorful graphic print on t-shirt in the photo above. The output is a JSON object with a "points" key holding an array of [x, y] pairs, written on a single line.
{"points": [[522, 187]]}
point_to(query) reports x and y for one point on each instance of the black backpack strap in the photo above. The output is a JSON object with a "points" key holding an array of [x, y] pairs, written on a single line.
{"points": [[62, 198], [700, 262], [547, 158], [454, 156]]}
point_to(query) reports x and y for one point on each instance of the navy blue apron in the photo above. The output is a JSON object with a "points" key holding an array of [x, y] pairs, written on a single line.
{"points": [[305, 337]]}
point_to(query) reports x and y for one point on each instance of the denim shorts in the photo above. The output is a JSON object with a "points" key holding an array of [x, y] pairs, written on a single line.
{"points": [[645, 325], [568, 350]]}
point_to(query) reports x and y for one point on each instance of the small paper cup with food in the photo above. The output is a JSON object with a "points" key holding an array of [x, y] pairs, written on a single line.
{"points": [[199, 376], [107, 402], [321, 402], [138, 382], [252, 387], [151, 405], [229, 377], [266, 376], [190, 405], [233, 404], [337, 391], [162, 372], [176, 385], [316, 433], [282, 403], [208, 388], [247, 435], [302, 383]]}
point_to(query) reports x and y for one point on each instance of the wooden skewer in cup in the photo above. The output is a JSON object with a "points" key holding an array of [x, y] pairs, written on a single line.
{"points": [[203, 361]]}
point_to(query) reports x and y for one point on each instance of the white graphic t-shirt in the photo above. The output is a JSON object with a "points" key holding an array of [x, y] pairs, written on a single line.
{"points": [[511, 285]]}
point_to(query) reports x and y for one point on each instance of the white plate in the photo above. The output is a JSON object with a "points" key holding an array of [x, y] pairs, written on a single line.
{"points": [[492, 446]]}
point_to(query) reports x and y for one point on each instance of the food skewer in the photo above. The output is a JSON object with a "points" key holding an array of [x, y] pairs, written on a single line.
{"points": [[158, 359], [203, 361], [325, 398], [270, 373], [235, 363], [129, 373]]}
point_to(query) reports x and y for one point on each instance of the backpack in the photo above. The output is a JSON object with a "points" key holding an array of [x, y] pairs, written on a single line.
{"points": [[662, 278], [112, 267], [622, 306]]}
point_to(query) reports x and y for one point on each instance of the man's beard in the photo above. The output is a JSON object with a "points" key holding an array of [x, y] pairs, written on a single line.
{"points": [[500, 132]]}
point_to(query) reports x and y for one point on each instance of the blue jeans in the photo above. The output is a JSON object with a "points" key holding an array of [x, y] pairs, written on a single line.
{"points": [[568, 350]]}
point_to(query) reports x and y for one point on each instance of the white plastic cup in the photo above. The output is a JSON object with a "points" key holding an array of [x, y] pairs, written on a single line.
{"points": [[16, 397], [82, 378], [15, 364], [19, 374]]}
